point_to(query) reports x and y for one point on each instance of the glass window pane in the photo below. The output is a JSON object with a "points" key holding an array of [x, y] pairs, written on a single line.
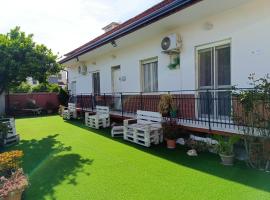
{"points": [[155, 76], [223, 61], [205, 104], [205, 68], [150, 77]]}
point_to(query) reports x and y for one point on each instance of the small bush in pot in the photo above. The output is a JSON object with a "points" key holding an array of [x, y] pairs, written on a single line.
{"points": [[164, 106], [225, 148], [171, 133]]}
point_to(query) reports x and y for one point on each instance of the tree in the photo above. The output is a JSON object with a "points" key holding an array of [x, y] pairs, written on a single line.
{"points": [[21, 57]]}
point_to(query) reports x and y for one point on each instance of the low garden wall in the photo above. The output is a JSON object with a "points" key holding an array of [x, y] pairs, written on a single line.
{"points": [[19, 103]]}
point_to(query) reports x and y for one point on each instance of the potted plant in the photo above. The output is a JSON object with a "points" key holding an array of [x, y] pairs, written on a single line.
{"points": [[167, 107], [170, 131], [13, 181], [225, 148], [164, 105]]}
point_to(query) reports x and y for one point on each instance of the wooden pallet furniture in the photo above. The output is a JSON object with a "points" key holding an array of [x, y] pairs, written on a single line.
{"points": [[70, 112], [12, 136], [100, 120], [117, 131], [146, 130]]}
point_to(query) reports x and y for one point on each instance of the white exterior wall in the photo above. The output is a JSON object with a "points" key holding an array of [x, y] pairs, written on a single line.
{"points": [[2, 104], [247, 26]]}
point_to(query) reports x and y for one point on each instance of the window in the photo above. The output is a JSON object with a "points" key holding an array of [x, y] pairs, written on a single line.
{"points": [[150, 75], [214, 74], [96, 83]]}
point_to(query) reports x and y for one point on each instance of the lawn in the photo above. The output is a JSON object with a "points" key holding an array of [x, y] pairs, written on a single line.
{"points": [[66, 161]]}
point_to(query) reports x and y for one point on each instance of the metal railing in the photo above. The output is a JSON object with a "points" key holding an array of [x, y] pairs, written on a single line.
{"points": [[212, 109]]}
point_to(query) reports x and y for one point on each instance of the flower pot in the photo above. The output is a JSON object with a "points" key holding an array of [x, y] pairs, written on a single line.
{"points": [[14, 195], [171, 144], [227, 160]]}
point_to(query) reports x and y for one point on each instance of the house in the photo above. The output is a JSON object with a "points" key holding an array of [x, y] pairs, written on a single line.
{"points": [[195, 49], [60, 79]]}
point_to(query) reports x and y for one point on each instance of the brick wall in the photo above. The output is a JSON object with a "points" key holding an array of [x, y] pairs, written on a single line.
{"points": [[17, 102]]}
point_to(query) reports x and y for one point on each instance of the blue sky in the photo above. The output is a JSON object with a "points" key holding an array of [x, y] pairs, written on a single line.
{"points": [[63, 25]]}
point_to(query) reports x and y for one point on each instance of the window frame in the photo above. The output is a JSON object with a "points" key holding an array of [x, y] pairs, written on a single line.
{"points": [[142, 63], [213, 46]]}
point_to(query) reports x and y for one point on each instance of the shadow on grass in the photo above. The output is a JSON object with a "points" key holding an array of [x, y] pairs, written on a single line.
{"points": [[206, 162], [48, 163]]}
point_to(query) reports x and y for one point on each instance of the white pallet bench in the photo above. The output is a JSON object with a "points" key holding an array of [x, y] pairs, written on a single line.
{"points": [[12, 136], [70, 111], [146, 131], [100, 120]]}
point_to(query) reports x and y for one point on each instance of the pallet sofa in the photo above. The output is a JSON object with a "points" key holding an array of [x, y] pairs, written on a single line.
{"points": [[100, 120], [70, 112], [12, 136], [146, 130]]}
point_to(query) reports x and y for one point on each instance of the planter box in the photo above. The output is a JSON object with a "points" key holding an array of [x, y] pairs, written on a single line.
{"points": [[15, 195]]}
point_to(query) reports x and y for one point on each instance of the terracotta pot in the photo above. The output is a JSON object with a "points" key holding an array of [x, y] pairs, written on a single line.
{"points": [[15, 195], [227, 160], [171, 144]]}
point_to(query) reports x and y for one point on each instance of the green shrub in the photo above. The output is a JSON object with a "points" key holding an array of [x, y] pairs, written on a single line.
{"points": [[63, 97], [45, 87], [22, 88]]}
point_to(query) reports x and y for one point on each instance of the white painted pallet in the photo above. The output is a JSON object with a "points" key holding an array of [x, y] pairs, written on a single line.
{"points": [[117, 131], [12, 136], [100, 120], [70, 111], [147, 130]]}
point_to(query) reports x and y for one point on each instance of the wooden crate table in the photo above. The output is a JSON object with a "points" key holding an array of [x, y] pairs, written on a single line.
{"points": [[117, 131], [12, 136]]}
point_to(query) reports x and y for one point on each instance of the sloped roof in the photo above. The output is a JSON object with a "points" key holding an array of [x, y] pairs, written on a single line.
{"points": [[153, 14]]}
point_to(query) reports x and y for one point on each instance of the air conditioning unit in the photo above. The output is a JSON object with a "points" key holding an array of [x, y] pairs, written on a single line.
{"points": [[82, 69], [171, 43]]}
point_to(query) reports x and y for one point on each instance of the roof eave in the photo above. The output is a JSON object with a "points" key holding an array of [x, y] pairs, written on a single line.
{"points": [[153, 17]]}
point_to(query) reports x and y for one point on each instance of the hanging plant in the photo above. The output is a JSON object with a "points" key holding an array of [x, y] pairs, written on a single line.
{"points": [[175, 64]]}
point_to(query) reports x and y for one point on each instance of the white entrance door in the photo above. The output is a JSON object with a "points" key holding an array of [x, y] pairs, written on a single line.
{"points": [[116, 86], [116, 79]]}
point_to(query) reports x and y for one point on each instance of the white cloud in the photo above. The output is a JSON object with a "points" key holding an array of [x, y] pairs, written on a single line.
{"points": [[64, 25]]}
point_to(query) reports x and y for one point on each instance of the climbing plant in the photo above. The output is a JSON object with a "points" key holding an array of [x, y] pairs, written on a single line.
{"points": [[254, 121], [174, 63]]}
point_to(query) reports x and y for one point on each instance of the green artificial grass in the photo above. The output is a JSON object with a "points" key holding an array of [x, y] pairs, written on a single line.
{"points": [[66, 161]]}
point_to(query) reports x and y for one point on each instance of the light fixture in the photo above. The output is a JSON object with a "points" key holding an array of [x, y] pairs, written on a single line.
{"points": [[113, 43]]}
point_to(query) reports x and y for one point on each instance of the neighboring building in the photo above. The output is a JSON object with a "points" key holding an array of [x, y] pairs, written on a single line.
{"points": [[60, 79], [218, 44], [32, 81]]}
